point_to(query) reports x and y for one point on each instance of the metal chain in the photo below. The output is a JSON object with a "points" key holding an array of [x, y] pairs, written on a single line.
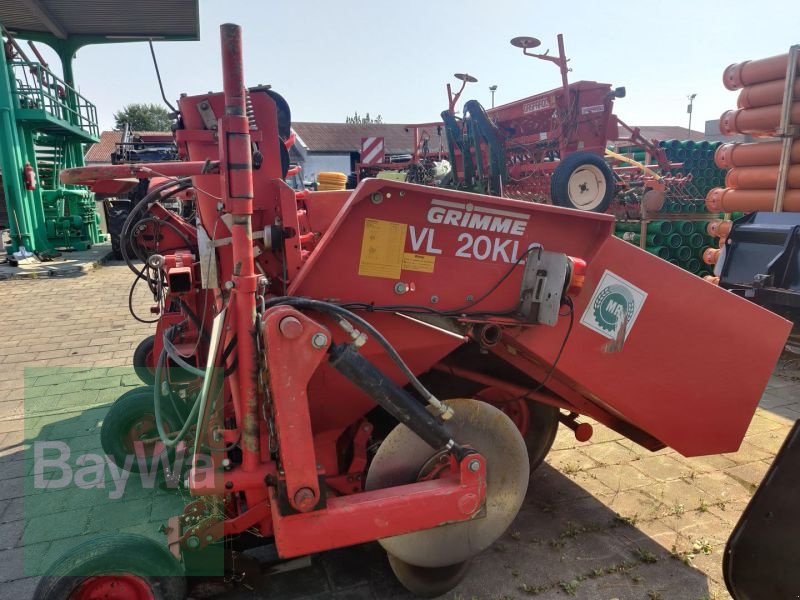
{"points": [[272, 444]]}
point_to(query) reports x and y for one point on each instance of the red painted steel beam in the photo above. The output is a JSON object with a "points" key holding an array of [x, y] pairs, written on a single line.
{"points": [[295, 346], [87, 175], [377, 514], [236, 170]]}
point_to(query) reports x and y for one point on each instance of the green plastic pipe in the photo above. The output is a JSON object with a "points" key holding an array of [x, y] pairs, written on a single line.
{"points": [[695, 240], [681, 253], [659, 251], [653, 239], [693, 265], [674, 240], [684, 227]]}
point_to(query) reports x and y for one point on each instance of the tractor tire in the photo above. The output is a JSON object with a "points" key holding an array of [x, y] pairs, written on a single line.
{"points": [[583, 181], [144, 361], [537, 422], [132, 418], [114, 566]]}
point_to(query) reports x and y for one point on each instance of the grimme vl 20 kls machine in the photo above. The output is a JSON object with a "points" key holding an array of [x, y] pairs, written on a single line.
{"points": [[388, 363]]}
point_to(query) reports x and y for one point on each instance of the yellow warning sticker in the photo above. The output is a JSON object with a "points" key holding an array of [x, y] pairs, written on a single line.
{"points": [[419, 262], [382, 249]]}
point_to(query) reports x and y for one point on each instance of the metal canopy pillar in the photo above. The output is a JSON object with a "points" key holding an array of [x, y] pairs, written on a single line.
{"points": [[45, 122], [25, 220]]}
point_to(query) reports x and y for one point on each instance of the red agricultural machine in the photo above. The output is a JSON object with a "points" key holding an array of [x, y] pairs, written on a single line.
{"points": [[549, 147], [388, 363]]}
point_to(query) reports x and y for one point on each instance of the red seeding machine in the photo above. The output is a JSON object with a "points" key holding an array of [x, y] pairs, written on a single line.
{"points": [[550, 147], [388, 363]]}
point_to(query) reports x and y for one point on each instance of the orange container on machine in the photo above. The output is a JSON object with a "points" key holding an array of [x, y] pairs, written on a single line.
{"points": [[761, 120], [750, 72], [753, 154], [730, 200], [760, 178]]}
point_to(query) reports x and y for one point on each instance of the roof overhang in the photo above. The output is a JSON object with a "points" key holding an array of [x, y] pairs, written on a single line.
{"points": [[83, 22]]}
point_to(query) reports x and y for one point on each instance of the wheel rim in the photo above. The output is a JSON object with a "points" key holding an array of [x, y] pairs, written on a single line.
{"points": [[144, 430], [113, 587], [587, 187], [515, 407]]}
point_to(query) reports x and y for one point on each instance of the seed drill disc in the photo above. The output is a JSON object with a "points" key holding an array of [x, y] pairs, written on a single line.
{"points": [[403, 455]]}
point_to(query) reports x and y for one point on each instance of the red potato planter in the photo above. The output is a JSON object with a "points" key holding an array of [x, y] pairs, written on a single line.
{"points": [[315, 327]]}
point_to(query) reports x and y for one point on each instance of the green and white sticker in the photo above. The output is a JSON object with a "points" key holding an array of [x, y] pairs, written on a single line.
{"points": [[613, 299]]}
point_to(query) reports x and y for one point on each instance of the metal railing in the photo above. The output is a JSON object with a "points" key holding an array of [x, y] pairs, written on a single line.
{"points": [[37, 88]]}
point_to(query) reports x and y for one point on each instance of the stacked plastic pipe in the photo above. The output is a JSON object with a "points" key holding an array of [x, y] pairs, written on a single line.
{"points": [[697, 159], [753, 167], [680, 242]]}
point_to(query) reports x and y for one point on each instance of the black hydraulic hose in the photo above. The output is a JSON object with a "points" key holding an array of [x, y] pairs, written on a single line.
{"points": [[156, 193], [343, 312], [397, 402], [195, 319]]}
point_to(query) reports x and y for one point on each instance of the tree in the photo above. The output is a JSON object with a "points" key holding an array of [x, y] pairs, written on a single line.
{"points": [[143, 117], [355, 119]]}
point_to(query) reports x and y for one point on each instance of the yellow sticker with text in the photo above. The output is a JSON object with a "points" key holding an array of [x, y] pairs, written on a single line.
{"points": [[419, 262], [382, 249]]}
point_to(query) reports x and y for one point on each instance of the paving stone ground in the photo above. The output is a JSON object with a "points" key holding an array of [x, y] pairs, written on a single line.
{"points": [[602, 520]]}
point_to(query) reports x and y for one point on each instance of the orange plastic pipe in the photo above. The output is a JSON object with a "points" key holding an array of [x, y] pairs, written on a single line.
{"points": [[764, 94], [764, 119], [760, 178], [728, 200], [719, 228], [753, 154], [711, 256], [749, 72]]}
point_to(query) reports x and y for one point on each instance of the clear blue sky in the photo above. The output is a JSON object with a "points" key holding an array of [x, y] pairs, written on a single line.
{"points": [[332, 58]]}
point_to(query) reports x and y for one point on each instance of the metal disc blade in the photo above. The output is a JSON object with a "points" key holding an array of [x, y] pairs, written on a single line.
{"points": [[465, 77], [489, 431], [525, 41], [428, 583]]}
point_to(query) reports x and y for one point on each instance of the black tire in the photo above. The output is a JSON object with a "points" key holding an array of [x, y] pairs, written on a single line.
{"points": [[541, 432], [144, 361], [427, 582], [135, 408], [115, 554], [583, 181]]}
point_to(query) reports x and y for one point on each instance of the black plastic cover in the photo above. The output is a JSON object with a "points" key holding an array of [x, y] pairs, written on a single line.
{"points": [[760, 560]]}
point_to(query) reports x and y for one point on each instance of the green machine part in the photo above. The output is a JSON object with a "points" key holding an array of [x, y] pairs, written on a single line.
{"points": [[44, 123]]}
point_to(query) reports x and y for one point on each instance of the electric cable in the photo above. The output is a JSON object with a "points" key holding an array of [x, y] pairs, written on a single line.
{"points": [[453, 312]]}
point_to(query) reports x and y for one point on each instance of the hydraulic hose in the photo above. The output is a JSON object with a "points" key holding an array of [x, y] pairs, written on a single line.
{"points": [[165, 438], [337, 310]]}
